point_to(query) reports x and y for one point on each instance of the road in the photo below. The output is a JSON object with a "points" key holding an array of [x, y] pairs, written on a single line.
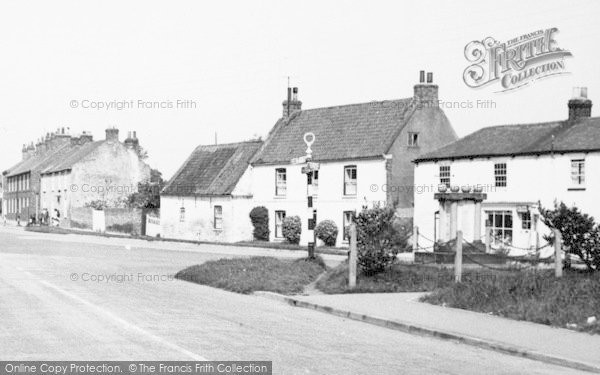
{"points": [[53, 307]]}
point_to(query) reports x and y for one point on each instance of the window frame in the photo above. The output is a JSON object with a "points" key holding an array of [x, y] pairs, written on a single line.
{"points": [[503, 230], [280, 184], [578, 177], [218, 219], [413, 139], [345, 224], [500, 175], [349, 181], [445, 173], [525, 220], [182, 214]]}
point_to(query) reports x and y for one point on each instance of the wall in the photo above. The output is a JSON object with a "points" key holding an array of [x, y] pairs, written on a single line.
{"points": [[111, 173], [529, 179], [330, 201], [125, 218], [198, 222], [80, 217], [434, 131]]}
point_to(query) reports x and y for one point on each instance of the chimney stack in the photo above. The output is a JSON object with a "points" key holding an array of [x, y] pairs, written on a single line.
{"points": [[24, 153], [292, 104], [579, 105], [112, 134], [426, 94]]}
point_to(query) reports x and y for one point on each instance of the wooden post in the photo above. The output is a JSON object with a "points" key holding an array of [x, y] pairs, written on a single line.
{"points": [[458, 257], [558, 269], [353, 256]]}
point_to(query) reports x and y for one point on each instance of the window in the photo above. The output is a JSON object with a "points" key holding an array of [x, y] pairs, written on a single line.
{"points": [[445, 175], [218, 220], [182, 214], [578, 171], [413, 139], [280, 182], [500, 174], [502, 227], [347, 219], [350, 180], [525, 220], [279, 216]]}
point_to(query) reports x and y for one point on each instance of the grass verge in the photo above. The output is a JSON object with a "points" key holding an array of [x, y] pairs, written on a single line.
{"points": [[537, 297], [247, 275]]}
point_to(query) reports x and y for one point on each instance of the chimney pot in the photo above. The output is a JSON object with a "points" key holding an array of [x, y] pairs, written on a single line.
{"points": [[422, 76], [429, 77]]}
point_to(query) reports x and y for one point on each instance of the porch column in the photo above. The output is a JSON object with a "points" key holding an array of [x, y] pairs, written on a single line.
{"points": [[442, 223], [453, 219], [477, 222]]}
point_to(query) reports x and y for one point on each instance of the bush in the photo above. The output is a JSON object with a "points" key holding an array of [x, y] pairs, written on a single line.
{"points": [[327, 232], [291, 229], [379, 239], [580, 233], [260, 220]]}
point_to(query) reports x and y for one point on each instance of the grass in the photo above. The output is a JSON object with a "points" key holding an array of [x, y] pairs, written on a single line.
{"points": [[247, 275], [537, 297], [399, 278]]}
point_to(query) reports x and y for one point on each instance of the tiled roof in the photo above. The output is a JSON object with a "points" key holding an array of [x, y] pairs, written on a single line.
{"points": [[524, 139], [344, 132], [212, 170], [38, 162], [75, 154]]}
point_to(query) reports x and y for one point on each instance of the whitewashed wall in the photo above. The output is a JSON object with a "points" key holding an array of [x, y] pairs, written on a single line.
{"points": [[529, 179], [330, 202]]}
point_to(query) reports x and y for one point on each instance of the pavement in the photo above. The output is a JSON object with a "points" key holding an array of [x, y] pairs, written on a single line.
{"points": [[75, 297], [403, 312]]}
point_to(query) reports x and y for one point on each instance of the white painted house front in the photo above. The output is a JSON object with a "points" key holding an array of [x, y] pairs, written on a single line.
{"points": [[516, 167], [365, 153], [210, 197]]}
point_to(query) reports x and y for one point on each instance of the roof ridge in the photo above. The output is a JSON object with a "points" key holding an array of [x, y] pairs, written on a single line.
{"points": [[230, 143], [357, 104]]}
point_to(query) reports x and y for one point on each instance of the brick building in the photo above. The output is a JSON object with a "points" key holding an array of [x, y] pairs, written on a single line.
{"points": [[63, 171]]}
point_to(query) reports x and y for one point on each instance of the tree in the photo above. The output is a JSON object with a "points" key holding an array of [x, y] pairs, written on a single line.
{"points": [[148, 194], [580, 233], [260, 220], [378, 239]]}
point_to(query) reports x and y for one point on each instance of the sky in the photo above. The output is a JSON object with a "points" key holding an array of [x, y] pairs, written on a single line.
{"points": [[229, 61]]}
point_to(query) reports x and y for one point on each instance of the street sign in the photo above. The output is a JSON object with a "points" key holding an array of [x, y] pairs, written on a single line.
{"points": [[310, 167], [298, 160]]}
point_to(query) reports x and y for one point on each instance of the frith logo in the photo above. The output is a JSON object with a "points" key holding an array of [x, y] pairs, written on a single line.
{"points": [[515, 63]]}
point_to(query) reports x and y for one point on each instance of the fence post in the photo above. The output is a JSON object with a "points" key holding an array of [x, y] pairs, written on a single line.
{"points": [[558, 269], [458, 257], [352, 260], [415, 238]]}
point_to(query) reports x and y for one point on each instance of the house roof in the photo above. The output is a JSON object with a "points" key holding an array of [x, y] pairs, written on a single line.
{"points": [[582, 135], [37, 162], [353, 131], [212, 170], [71, 157]]}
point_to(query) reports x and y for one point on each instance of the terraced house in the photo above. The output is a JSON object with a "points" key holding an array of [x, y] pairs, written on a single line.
{"points": [[515, 167], [63, 172]]}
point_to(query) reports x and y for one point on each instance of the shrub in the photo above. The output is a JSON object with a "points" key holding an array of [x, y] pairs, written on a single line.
{"points": [[327, 232], [291, 229], [580, 233], [260, 221], [379, 239]]}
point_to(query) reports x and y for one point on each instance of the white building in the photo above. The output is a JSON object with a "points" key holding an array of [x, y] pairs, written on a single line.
{"points": [[210, 197], [365, 153], [515, 166]]}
